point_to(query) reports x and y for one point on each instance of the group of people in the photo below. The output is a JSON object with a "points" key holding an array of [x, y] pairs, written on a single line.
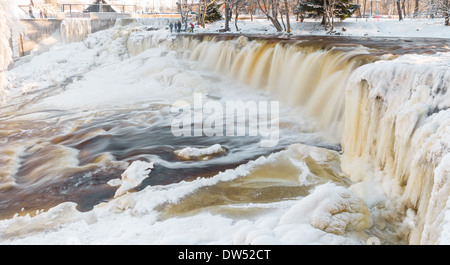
{"points": [[177, 27], [42, 13]]}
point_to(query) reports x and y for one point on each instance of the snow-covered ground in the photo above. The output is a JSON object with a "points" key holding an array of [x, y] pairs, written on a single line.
{"points": [[424, 28]]}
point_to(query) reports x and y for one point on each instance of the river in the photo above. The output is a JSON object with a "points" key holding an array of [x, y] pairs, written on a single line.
{"points": [[82, 113]]}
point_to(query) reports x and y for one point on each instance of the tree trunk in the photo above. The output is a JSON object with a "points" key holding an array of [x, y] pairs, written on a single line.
{"points": [[264, 7], [251, 10], [205, 7], [275, 9], [227, 16], [399, 9], [282, 20], [287, 16], [199, 17], [276, 23], [180, 9], [358, 10], [328, 15], [236, 18], [403, 8], [364, 8], [432, 8], [416, 8], [447, 12]]}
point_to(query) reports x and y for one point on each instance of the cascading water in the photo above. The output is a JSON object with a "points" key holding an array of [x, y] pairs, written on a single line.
{"points": [[392, 112], [87, 124], [396, 130], [75, 29], [299, 76]]}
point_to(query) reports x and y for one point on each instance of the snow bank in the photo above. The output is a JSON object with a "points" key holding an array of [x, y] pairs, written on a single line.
{"points": [[92, 73], [382, 27], [397, 124], [192, 153]]}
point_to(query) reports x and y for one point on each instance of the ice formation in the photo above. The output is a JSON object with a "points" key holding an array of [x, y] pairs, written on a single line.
{"points": [[8, 24], [397, 132], [332, 209], [132, 177], [75, 29], [207, 153]]}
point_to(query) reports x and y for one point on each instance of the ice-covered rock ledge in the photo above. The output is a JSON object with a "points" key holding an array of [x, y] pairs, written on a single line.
{"points": [[397, 133]]}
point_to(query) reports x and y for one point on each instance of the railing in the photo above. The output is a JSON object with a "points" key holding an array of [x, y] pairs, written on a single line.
{"points": [[99, 7], [77, 15]]}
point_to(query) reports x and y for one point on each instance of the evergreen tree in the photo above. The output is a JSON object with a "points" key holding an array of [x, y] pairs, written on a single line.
{"points": [[341, 9], [212, 13]]}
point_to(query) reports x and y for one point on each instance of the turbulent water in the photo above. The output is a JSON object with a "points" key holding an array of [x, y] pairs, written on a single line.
{"points": [[87, 117]]}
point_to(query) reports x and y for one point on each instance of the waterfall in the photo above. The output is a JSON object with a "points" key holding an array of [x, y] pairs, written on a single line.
{"points": [[392, 117], [311, 77], [396, 131], [75, 29], [298, 75]]}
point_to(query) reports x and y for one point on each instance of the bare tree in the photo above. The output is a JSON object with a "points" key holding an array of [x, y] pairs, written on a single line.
{"points": [[434, 8], [286, 10], [237, 4], [403, 8], [446, 6], [270, 9], [399, 10], [228, 14], [183, 9], [416, 8], [364, 8], [250, 8], [328, 18], [203, 15]]}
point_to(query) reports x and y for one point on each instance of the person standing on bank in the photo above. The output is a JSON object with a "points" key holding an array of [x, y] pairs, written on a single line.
{"points": [[179, 26], [30, 12], [171, 27]]}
